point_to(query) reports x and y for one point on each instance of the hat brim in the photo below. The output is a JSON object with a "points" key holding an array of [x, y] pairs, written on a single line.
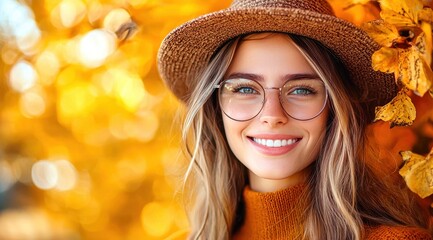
{"points": [[188, 48]]}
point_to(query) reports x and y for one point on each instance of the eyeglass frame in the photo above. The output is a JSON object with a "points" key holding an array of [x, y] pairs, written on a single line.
{"points": [[219, 86]]}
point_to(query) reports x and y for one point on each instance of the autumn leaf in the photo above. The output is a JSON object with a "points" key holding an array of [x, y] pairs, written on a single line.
{"points": [[413, 70], [404, 54], [400, 13], [381, 32], [427, 29], [400, 111], [385, 60], [417, 172], [426, 15]]}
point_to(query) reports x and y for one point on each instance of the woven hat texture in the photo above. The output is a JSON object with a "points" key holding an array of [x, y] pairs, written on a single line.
{"points": [[187, 49]]}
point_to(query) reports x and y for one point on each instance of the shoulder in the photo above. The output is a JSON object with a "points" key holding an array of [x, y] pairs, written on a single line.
{"points": [[396, 232], [179, 235]]}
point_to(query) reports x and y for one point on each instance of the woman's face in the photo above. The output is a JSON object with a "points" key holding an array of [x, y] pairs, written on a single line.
{"points": [[271, 60]]}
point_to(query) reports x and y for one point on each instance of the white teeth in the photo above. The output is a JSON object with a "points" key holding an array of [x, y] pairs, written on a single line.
{"points": [[274, 143]]}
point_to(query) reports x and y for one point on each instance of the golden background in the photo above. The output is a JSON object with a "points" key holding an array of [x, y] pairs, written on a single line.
{"points": [[88, 148]]}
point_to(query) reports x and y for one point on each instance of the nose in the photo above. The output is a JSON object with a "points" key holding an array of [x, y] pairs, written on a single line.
{"points": [[273, 113]]}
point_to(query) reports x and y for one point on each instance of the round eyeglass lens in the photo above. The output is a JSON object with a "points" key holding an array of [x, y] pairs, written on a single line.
{"points": [[303, 99], [243, 99]]}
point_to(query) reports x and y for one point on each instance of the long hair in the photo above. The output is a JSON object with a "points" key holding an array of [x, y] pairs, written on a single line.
{"points": [[344, 193], [215, 178]]}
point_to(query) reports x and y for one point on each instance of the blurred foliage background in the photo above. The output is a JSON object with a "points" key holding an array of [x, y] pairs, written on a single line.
{"points": [[88, 148]]}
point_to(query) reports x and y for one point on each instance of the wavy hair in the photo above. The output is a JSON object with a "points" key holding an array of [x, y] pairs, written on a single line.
{"points": [[343, 191]]}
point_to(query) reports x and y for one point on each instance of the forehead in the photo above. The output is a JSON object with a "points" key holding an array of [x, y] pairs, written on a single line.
{"points": [[271, 55]]}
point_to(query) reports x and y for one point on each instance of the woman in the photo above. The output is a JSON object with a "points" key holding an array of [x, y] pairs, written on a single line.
{"points": [[278, 95]]}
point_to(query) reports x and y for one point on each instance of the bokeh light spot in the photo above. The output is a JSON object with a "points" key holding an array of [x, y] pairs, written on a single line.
{"points": [[7, 178], [147, 127], [130, 90], [95, 47], [44, 174], [67, 13], [17, 22], [115, 19], [75, 100], [125, 86], [137, 3], [9, 56], [22, 76], [156, 218], [32, 104], [47, 65], [67, 175], [22, 169], [71, 12], [96, 11], [28, 36]]}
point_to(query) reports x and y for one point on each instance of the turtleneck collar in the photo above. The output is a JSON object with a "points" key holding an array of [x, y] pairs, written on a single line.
{"points": [[274, 215]]}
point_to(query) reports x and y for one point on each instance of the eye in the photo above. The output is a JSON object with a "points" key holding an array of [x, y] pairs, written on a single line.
{"points": [[242, 87], [303, 88], [246, 90], [302, 91]]}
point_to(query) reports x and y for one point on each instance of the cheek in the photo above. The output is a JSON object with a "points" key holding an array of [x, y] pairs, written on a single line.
{"points": [[230, 128], [233, 131], [318, 128]]}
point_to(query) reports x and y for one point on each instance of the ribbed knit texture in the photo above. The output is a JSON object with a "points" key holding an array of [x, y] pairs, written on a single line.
{"points": [[276, 215], [320, 6], [279, 215]]}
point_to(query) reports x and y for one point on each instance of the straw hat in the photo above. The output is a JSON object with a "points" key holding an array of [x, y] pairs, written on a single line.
{"points": [[188, 48]]}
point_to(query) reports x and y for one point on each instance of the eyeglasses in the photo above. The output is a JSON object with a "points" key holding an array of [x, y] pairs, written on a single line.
{"points": [[243, 99]]}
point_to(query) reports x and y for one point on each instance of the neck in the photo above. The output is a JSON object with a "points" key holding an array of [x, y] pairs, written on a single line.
{"points": [[275, 215], [259, 184]]}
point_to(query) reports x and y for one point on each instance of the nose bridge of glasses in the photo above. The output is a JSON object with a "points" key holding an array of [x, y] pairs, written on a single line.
{"points": [[277, 101], [278, 89]]}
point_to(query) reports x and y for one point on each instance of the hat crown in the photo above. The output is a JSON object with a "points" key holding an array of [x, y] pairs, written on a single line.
{"points": [[320, 6]]}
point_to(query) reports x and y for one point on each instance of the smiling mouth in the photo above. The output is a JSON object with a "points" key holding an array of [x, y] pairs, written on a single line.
{"points": [[276, 142]]}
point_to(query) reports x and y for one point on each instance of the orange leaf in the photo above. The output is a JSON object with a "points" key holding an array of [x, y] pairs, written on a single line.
{"points": [[417, 172], [401, 12], [413, 70], [385, 60], [400, 111], [381, 32], [426, 15], [427, 29]]}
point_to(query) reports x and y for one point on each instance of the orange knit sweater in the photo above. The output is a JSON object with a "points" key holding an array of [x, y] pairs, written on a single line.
{"points": [[278, 215]]}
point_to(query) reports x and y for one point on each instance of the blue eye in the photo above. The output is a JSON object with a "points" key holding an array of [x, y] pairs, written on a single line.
{"points": [[302, 91], [246, 90]]}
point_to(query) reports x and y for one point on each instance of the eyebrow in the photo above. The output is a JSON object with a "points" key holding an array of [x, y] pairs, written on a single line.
{"points": [[286, 77]]}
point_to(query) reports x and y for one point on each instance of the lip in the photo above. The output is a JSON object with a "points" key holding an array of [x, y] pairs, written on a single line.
{"points": [[274, 151]]}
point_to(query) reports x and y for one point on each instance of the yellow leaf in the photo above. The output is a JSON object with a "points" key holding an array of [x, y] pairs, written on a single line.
{"points": [[401, 12], [417, 172], [381, 32], [426, 15], [413, 70], [420, 44], [400, 111], [385, 60], [427, 29], [426, 77]]}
